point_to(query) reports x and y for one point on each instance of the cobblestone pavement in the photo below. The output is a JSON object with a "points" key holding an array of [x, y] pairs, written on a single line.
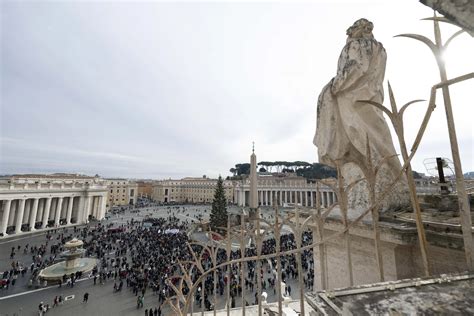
{"points": [[21, 300]]}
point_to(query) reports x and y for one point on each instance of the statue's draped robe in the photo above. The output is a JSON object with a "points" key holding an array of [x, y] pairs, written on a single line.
{"points": [[343, 124]]}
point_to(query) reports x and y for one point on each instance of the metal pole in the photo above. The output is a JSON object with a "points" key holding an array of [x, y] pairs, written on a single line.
{"points": [[259, 264], [202, 297], [398, 125], [229, 266], [277, 240], [466, 221], [242, 264], [215, 286], [318, 233], [298, 233]]}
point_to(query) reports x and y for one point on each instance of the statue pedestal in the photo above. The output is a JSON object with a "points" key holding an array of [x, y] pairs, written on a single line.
{"points": [[358, 196], [400, 252]]}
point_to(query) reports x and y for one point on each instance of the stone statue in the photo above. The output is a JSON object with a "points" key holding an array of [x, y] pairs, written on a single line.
{"points": [[344, 125]]}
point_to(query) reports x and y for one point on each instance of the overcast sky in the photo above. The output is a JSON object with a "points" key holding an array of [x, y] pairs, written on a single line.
{"points": [[158, 90]]}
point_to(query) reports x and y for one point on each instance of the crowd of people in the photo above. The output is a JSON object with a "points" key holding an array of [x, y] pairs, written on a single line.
{"points": [[142, 256]]}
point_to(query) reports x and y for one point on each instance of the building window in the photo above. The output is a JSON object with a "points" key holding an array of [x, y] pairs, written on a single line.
{"points": [[132, 192]]}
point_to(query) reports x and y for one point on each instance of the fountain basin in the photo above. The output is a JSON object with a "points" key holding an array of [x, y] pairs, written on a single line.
{"points": [[73, 263], [58, 270]]}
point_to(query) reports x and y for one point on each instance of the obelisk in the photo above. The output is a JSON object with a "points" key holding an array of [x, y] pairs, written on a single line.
{"points": [[253, 201]]}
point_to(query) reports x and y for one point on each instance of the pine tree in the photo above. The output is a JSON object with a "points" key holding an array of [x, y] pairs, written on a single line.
{"points": [[218, 218]]}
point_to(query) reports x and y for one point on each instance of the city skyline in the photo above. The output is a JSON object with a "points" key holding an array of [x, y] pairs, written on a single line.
{"points": [[159, 90]]}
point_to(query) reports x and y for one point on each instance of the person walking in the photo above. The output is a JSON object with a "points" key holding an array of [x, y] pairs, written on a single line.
{"points": [[86, 297]]}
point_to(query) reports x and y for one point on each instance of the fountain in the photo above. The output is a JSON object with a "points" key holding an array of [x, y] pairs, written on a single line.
{"points": [[73, 263]]}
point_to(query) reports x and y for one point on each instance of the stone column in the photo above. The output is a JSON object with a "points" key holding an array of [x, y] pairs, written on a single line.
{"points": [[5, 217], [46, 212], [311, 199], [34, 211], [27, 212], [40, 208], [285, 197], [87, 206], [323, 199], [92, 207], [281, 198], [271, 197], [102, 207], [69, 210], [19, 217], [58, 212], [80, 209]]}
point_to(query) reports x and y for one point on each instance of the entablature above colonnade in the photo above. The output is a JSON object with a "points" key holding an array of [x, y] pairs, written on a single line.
{"points": [[27, 194]]}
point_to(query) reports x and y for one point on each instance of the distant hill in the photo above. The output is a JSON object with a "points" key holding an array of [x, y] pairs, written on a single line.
{"points": [[469, 175]]}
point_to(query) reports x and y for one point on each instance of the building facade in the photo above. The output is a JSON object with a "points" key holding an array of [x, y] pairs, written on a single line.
{"points": [[285, 189], [121, 192], [145, 188], [190, 190], [35, 202]]}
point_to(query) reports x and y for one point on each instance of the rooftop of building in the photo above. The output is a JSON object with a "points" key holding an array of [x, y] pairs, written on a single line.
{"points": [[449, 294], [48, 176]]}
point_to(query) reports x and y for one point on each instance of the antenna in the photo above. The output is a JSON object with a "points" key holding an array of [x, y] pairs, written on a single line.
{"points": [[432, 167]]}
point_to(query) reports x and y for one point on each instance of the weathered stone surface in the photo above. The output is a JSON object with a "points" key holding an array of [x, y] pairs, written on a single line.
{"points": [[344, 125], [460, 12], [450, 294]]}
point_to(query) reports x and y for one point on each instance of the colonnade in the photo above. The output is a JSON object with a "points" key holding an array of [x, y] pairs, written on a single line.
{"points": [[301, 197], [23, 213]]}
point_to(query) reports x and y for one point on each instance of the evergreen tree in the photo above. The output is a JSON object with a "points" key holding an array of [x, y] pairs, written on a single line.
{"points": [[219, 208]]}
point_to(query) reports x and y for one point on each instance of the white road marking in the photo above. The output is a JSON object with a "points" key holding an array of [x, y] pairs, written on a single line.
{"points": [[37, 290]]}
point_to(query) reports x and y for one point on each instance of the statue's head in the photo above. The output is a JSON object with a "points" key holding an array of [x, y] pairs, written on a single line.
{"points": [[361, 28]]}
